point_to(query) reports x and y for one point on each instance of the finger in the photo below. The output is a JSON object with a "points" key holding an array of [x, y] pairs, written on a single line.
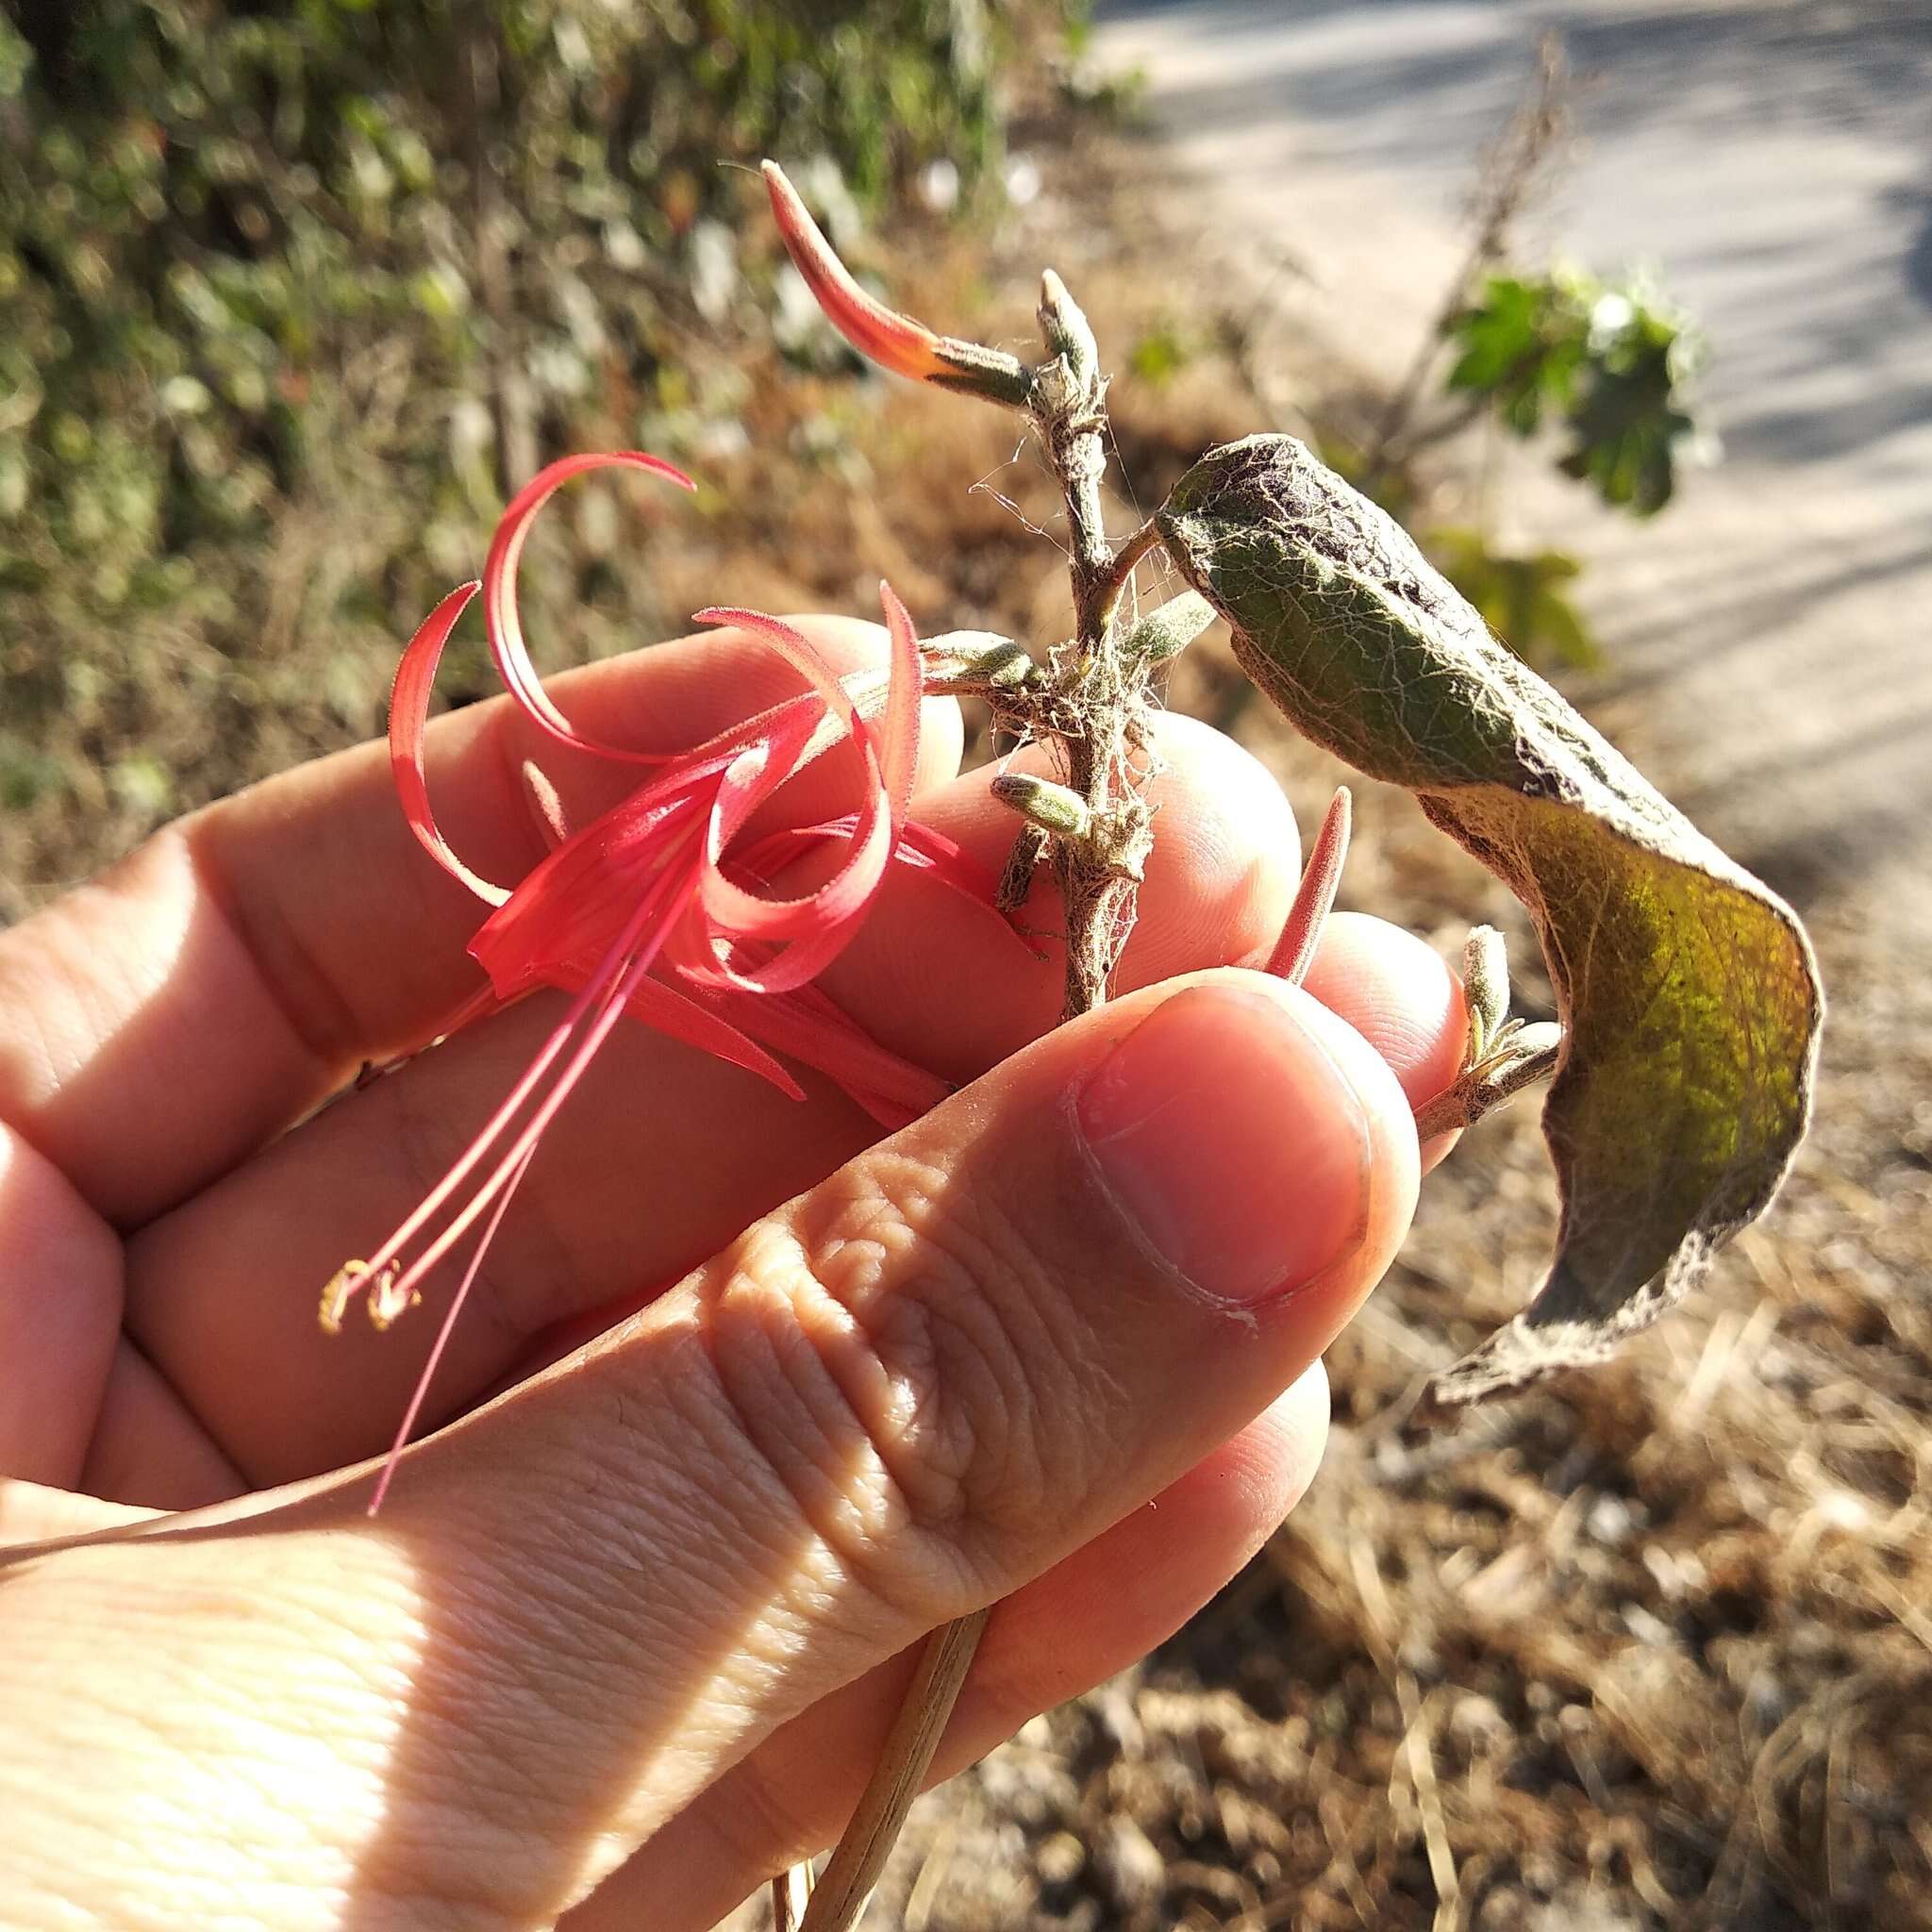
{"points": [[59, 1316], [32, 1513], [158, 1023], [1403, 997], [662, 1156], [1092, 1614], [898, 1399]]}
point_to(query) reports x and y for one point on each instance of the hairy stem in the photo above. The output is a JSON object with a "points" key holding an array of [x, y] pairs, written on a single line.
{"points": [[1101, 709]]}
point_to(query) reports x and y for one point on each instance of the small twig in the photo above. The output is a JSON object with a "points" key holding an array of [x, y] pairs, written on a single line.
{"points": [[1508, 176], [847, 1880], [791, 1896], [1132, 552], [1428, 1800]]}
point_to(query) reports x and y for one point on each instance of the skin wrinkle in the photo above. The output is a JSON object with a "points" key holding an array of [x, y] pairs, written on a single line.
{"points": [[1022, 1319], [510, 1676], [674, 1538], [246, 1783], [769, 1334], [329, 1046], [968, 1333]]}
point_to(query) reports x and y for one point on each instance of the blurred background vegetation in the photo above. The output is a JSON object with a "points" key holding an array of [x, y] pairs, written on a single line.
{"points": [[293, 292]]}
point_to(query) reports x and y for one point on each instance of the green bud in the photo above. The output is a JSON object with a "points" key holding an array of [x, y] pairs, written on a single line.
{"points": [[1068, 332], [1041, 802], [981, 656], [1485, 987], [1165, 633]]}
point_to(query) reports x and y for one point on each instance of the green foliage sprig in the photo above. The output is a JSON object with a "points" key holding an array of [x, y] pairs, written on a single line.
{"points": [[1608, 362]]}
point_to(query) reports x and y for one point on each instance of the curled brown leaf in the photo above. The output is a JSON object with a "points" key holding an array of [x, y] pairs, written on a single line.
{"points": [[1687, 989]]}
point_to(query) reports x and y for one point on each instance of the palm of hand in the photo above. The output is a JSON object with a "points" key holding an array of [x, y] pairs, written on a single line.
{"points": [[162, 1235]]}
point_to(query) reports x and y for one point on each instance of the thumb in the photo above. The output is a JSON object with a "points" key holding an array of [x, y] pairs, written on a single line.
{"points": [[906, 1392], [892, 1401]]}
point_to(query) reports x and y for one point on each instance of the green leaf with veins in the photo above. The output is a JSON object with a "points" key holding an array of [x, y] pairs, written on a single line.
{"points": [[1687, 989]]}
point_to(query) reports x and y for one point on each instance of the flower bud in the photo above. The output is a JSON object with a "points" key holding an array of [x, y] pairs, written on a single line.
{"points": [[1041, 802], [880, 334], [980, 658], [1167, 632], [1068, 332], [1485, 987]]}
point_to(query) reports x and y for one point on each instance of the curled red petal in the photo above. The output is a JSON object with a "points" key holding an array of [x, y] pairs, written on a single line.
{"points": [[743, 914], [408, 715], [793, 645], [582, 892], [506, 645], [892, 340], [840, 899]]}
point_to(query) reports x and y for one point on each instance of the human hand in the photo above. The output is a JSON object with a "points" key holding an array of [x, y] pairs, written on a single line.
{"points": [[637, 1626]]}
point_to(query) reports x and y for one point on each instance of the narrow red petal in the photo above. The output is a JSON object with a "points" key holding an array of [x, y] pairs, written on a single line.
{"points": [[933, 852], [680, 1017], [808, 1026], [892, 340], [1294, 951], [583, 893], [408, 716], [505, 629], [792, 966]]}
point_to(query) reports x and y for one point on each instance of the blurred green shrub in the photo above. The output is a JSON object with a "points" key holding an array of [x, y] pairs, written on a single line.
{"points": [[1525, 598], [206, 210], [338, 272], [1609, 363]]}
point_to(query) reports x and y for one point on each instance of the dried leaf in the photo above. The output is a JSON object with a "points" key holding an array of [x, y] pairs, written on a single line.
{"points": [[1689, 997]]}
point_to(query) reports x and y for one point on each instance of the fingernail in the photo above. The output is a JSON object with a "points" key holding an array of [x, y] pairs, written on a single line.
{"points": [[1232, 1140]]}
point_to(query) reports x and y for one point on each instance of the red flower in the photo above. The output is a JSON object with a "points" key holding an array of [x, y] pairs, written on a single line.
{"points": [[892, 340], [654, 884]]}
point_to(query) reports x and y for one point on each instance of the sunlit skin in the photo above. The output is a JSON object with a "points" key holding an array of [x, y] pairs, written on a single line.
{"points": [[630, 1629]]}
